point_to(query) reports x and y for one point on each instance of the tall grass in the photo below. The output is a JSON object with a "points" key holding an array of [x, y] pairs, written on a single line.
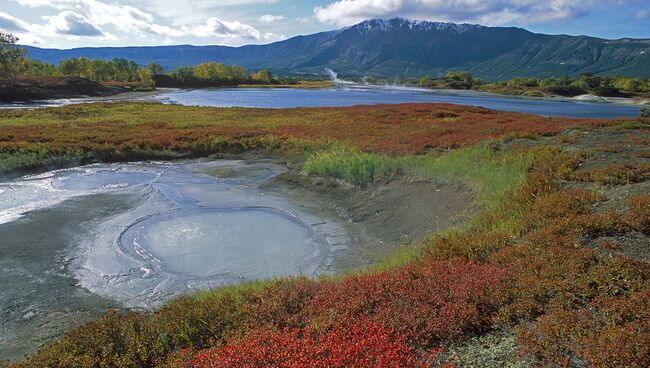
{"points": [[490, 172], [353, 166]]}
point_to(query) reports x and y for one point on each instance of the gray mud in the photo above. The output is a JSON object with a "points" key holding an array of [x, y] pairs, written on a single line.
{"points": [[78, 242]]}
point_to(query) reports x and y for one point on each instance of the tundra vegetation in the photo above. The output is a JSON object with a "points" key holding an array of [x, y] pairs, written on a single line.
{"points": [[551, 271]]}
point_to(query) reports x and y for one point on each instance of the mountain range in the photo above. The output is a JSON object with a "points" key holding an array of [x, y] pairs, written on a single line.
{"points": [[405, 48]]}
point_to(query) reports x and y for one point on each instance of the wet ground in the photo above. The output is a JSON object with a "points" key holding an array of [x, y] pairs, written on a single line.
{"points": [[76, 242]]}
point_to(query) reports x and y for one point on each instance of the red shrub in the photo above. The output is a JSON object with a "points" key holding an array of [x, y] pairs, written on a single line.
{"points": [[562, 204], [618, 174], [611, 332], [425, 303], [638, 215], [544, 280], [362, 345], [395, 129]]}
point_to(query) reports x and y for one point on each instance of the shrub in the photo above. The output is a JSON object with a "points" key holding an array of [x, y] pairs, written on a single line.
{"points": [[137, 340], [544, 280], [366, 345], [619, 174], [117, 340], [638, 214], [426, 303], [473, 245], [574, 307], [562, 204], [610, 332], [574, 230]]}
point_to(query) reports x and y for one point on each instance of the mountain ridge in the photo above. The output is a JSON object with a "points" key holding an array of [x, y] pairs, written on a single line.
{"points": [[401, 47]]}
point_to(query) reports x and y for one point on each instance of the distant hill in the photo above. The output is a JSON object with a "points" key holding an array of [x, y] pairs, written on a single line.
{"points": [[399, 47]]}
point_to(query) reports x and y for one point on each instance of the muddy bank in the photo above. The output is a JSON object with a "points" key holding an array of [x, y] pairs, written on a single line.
{"points": [[383, 215], [42, 88], [58, 91], [84, 240]]}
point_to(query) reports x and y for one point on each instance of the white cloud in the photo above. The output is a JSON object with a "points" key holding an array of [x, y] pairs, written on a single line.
{"points": [[90, 17], [220, 28], [20, 29], [346, 12], [642, 14], [29, 39], [10, 23], [269, 18], [305, 20], [73, 24], [66, 23]]}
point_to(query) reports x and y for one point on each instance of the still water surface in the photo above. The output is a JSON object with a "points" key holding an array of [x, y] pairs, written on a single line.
{"points": [[348, 96], [359, 95]]}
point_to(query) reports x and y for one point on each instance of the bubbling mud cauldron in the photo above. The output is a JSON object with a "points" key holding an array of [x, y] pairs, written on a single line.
{"points": [[136, 235]]}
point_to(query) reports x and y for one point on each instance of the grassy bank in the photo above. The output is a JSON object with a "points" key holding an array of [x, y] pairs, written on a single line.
{"points": [[540, 264], [132, 131], [490, 171]]}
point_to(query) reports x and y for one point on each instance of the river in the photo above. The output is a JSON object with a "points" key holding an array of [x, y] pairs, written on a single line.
{"points": [[358, 95], [348, 95]]}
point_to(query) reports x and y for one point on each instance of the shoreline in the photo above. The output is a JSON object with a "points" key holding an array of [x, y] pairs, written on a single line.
{"points": [[118, 97], [79, 90], [579, 98], [358, 213]]}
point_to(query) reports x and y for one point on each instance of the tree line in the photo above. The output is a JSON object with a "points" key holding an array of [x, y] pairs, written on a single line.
{"points": [[122, 70], [584, 83], [215, 74], [14, 64], [610, 86]]}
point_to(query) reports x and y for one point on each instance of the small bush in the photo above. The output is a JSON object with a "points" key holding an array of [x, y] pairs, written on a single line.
{"points": [[137, 340], [366, 345], [426, 303], [619, 174], [474, 245], [562, 204], [543, 280], [611, 332], [638, 214]]}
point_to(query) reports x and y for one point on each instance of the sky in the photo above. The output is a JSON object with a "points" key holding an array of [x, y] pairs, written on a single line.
{"points": [[76, 23]]}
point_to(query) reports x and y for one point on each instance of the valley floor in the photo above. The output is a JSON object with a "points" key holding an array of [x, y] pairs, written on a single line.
{"points": [[550, 269]]}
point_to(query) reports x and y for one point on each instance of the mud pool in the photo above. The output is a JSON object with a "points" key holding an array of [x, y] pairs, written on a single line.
{"points": [[77, 242]]}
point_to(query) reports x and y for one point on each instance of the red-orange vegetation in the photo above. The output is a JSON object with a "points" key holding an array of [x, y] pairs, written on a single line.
{"points": [[426, 303], [638, 214], [364, 345], [395, 129]]}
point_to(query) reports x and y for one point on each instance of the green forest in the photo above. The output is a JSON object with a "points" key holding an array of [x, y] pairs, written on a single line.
{"points": [[15, 64], [586, 83], [122, 70]]}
